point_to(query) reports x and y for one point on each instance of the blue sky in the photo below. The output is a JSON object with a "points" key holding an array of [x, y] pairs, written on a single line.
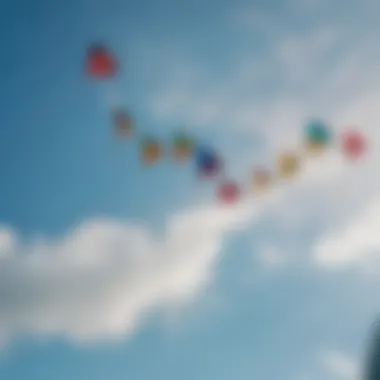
{"points": [[111, 270]]}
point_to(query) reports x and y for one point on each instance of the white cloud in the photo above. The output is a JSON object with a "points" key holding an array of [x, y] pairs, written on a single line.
{"points": [[358, 243], [103, 278], [339, 366], [333, 365]]}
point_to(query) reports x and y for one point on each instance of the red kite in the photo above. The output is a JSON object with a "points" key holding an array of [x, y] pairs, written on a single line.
{"points": [[100, 62]]}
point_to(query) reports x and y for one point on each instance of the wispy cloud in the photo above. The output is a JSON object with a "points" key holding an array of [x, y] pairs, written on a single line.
{"points": [[333, 365], [356, 244], [339, 366], [341, 88]]}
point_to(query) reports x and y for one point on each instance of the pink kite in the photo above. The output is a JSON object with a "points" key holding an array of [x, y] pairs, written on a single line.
{"points": [[353, 144], [228, 192]]}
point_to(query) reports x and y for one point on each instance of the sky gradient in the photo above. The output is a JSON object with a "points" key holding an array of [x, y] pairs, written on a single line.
{"points": [[109, 270]]}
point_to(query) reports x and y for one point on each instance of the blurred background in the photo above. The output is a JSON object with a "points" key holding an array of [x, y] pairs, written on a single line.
{"points": [[112, 268]]}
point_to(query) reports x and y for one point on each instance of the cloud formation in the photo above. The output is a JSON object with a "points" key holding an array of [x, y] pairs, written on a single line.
{"points": [[356, 244], [100, 280], [103, 278], [339, 366]]}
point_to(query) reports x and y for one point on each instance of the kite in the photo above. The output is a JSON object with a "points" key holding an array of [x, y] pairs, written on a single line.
{"points": [[228, 192], [100, 62], [182, 147], [151, 151], [318, 136], [261, 180], [287, 165], [122, 123], [353, 144], [208, 163]]}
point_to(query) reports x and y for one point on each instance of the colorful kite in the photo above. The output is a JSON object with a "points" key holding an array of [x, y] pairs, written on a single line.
{"points": [[208, 163], [122, 123], [182, 147], [151, 151], [318, 136], [228, 192], [100, 62], [261, 180], [353, 144], [287, 165]]}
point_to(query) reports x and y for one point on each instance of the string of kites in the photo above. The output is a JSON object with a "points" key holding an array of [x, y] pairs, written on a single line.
{"points": [[102, 65]]}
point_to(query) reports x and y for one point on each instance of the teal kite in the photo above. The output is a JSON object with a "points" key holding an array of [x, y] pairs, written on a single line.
{"points": [[318, 132], [318, 136]]}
